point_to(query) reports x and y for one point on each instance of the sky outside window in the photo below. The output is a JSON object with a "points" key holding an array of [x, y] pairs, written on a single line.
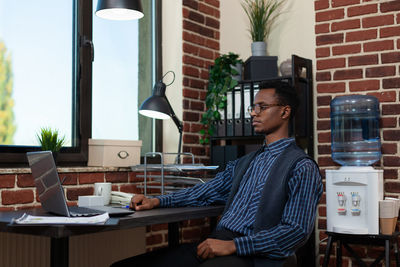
{"points": [[38, 34], [115, 79], [39, 38]]}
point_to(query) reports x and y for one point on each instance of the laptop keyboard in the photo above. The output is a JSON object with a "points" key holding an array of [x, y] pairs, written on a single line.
{"points": [[75, 211]]}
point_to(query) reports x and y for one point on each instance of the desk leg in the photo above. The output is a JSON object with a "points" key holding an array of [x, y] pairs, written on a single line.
{"points": [[59, 252], [387, 253], [338, 253], [327, 252], [396, 252], [173, 234]]}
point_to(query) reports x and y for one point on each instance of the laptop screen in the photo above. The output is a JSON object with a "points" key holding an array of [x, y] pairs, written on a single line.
{"points": [[47, 182]]}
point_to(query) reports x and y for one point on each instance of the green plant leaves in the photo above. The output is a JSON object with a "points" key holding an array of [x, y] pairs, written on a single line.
{"points": [[49, 139], [262, 15], [219, 83], [216, 115]]}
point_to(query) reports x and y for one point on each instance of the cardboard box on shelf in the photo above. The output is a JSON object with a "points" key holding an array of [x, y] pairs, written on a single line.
{"points": [[114, 153]]}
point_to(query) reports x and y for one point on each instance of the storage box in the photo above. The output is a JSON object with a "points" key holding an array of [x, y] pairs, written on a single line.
{"points": [[114, 153], [261, 67]]}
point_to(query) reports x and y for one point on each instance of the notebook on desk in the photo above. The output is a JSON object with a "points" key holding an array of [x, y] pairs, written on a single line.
{"points": [[51, 192]]}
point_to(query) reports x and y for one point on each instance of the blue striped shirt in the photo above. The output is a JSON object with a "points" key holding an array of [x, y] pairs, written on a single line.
{"points": [[305, 189]]}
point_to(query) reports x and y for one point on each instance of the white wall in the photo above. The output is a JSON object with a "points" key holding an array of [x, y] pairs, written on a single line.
{"points": [[293, 32], [172, 60]]}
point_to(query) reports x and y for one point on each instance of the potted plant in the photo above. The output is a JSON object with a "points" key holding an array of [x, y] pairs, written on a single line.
{"points": [[220, 81], [50, 140], [262, 15]]}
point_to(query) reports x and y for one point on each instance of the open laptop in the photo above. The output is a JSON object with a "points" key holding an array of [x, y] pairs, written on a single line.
{"points": [[51, 192]]}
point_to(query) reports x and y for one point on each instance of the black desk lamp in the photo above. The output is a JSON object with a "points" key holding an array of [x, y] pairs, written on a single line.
{"points": [[157, 106], [119, 9]]}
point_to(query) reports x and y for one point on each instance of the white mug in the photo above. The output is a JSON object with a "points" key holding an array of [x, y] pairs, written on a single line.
{"points": [[104, 190]]}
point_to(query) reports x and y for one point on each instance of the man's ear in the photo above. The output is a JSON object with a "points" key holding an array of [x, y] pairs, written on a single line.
{"points": [[286, 112]]}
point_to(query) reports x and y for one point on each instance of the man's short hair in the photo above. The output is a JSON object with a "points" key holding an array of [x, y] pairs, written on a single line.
{"points": [[285, 93]]}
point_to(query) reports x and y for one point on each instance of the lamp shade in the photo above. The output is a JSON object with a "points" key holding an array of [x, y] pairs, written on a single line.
{"points": [[157, 106], [119, 9]]}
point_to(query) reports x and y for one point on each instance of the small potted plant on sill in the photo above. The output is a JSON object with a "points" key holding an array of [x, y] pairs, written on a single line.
{"points": [[223, 77], [49, 139], [262, 15]]}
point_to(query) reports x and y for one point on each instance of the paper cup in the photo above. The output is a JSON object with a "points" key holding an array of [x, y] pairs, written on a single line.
{"points": [[397, 204], [387, 216], [386, 225]]}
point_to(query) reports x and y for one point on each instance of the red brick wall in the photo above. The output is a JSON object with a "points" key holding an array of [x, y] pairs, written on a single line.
{"points": [[357, 51], [17, 191], [200, 46]]}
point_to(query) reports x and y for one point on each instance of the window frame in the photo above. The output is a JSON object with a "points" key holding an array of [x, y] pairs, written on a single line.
{"points": [[154, 25], [158, 131], [15, 156], [11, 156]]}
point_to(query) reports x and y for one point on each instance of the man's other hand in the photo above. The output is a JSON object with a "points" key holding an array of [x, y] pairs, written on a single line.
{"points": [[214, 247], [140, 202]]}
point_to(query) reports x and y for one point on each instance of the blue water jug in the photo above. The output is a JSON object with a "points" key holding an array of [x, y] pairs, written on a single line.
{"points": [[355, 130]]}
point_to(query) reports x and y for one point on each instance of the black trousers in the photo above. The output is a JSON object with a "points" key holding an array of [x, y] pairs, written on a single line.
{"points": [[185, 255]]}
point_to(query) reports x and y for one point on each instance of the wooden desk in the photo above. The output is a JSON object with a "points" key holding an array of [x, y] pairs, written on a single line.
{"points": [[60, 234], [375, 240]]}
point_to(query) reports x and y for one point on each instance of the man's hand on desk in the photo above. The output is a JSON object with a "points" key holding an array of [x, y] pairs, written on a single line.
{"points": [[215, 247], [140, 202]]}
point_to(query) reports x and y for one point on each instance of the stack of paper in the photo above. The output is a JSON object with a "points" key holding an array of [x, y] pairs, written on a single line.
{"points": [[30, 219], [121, 198]]}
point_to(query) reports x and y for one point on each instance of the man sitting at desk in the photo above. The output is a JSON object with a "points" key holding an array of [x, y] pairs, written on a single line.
{"points": [[271, 197]]}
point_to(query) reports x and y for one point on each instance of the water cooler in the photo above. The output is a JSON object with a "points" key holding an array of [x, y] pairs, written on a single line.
{"points": [[354, 190]]}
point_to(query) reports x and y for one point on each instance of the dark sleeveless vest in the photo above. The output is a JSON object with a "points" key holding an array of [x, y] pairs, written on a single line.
{"points": [[275, 192]]}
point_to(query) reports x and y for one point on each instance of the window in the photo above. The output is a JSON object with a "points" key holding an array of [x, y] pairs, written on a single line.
{"points": [[46, 76], [115, 79]]}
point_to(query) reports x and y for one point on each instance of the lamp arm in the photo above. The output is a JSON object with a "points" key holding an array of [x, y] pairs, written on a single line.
{"points": [[179, 125], [177, 122]]}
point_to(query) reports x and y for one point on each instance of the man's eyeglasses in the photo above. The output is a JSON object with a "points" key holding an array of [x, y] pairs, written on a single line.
{"points": [[258, 108]]}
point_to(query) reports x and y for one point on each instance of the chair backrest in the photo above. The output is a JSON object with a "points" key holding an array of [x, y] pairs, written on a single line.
{"points": [[291, 261]]}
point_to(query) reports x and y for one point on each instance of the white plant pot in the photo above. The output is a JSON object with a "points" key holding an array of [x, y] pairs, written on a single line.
{"points": [[258, 49]]}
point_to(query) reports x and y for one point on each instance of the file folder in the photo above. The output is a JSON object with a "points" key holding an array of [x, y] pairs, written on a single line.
{"points": [[221, 128], [238, 112], [248, 127], [250, 90], [221, 123], [229, 114], [229, 128], [215, 125]]}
